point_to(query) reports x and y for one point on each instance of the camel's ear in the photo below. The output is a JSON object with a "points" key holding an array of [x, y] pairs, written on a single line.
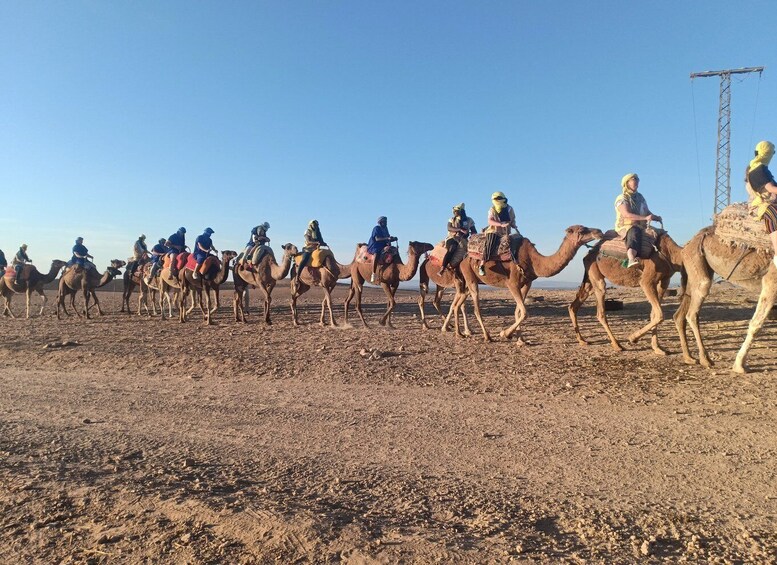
{"points": [[569, 231]]}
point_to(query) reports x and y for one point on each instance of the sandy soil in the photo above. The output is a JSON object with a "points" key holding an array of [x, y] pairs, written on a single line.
{"points": [[151, 441]]}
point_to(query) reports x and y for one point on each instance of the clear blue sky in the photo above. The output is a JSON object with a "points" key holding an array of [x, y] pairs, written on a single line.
{"points": [[121, 118]]}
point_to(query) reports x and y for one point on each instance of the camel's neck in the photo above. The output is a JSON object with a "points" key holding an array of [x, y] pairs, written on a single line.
{"points": [[223, 272], [51, 275], [673, 252], [551, 265], [344, 271], [407, 272], [279, 272], [105, 279]]}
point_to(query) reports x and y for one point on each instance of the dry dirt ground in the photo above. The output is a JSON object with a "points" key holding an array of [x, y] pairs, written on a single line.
{"points": [[150, 441]]}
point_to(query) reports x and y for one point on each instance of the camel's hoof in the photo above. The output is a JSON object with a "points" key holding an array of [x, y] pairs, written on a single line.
{"points": [[467, 334], [740, 369], [706, 363], [582, 342], [522, 342], [690, 361], [659, 351], [633, 340], [617, 347]]}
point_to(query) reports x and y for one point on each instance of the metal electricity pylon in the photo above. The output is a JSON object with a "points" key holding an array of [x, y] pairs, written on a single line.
{"points": [[723, 160]]}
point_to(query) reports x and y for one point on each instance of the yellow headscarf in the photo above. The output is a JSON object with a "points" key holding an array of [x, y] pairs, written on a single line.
{"points": [[624, 183], [764, 152], [499, 200]]}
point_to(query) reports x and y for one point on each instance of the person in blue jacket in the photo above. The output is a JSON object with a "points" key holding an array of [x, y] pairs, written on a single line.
{"points": [[157, 252], [80, 254], [175, 244], [203, 245], [379, 238]]}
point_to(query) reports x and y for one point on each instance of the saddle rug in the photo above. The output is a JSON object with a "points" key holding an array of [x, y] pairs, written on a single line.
{"points": [[10, 273], [317, 258], [180, 260], [364, 256], [437, 254], [614, 245], [735, 226], [493, 247], [209, 264]]}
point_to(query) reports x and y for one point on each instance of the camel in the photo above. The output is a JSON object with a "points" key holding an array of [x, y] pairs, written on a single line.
{"points": [[703, 257], [325, 277], [388, 277], [87, 281], [218, 273], [265, 276], [653, 277], [451, 278], [130, 282], [517, 277], [35, 281]]}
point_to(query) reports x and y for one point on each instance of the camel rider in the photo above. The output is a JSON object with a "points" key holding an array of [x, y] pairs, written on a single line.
{"points": [[501, 221], [313, 241], [139, 254], [258, 240], [460, 226], [632, 216], [203, 245], [175, 244], [157, 252], [762, 183], [19, 260], [3, 261], [81, 255], [379, 240]]}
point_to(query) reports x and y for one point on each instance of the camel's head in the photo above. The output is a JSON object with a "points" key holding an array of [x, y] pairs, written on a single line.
{"points": [[580, 235], [227, 255], [113, 271], [57, 264], [117, 264], [420, 247], [290, 249]]}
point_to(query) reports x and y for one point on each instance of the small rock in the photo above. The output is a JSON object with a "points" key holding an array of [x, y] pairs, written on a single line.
{"points": [[401, 347], [87, 421], [646, 548], [188, 462], [186, 538]]}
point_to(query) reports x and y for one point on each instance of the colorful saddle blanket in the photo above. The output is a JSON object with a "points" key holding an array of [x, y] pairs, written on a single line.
{"points": [[317, 259], [736, 226], [437, 254], [493, 247], [180, 260], [614, 245], [390, 256], [10, 273], [209, 265]]}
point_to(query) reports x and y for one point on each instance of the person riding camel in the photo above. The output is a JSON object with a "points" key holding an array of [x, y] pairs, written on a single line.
{"points": [[460, 226], [139, 254], [761, 181], [632, 217], [81, 255], [203, 245], [501, 221], [379, 240], [255, 245], [175, 244], [3, 261], [19, 260], [313, 241], [157, 252]]}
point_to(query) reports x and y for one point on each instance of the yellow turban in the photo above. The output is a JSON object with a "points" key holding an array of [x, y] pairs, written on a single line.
{"points": [[625, 180], [499, 200], [764, 152]]}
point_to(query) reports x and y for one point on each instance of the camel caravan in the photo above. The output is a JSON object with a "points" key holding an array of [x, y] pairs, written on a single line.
{"points": [[635, 254]]}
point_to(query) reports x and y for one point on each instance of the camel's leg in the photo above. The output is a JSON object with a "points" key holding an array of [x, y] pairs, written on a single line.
{"points": [[423, 288], [293, 303], [582, 295], [463, 310], [520, 313], [386, 319], [453, 312], [217, 304], [96, 302], [663, 284], [28, 295], [348, 299], [204, 306], [656, 314], [765, 303], [208, 319], [7, 306], [43, 303], [328, 292], [237, 305], [267, 303], [474, 293]]}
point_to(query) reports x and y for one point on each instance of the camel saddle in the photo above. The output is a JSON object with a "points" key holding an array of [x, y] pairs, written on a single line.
{"points": [[493, 247], [390, 255], [10, 273], [735, 225], [209, 268], [614, 245], [180, 260], [317, 258], [437, 254]]}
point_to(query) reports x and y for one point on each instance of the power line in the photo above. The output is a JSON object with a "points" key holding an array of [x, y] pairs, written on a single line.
{"points": [[723, 156]]}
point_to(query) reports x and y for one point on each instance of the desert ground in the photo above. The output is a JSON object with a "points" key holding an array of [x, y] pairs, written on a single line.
{"points": [[127, 439]]}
